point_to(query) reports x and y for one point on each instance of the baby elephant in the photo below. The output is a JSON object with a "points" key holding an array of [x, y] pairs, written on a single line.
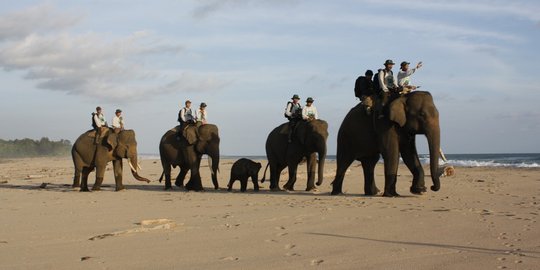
{"points": [[241, 170]]}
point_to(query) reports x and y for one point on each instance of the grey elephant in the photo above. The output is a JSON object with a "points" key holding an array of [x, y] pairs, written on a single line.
{"points": [[186, 152], [308, 141], [88, 155], [365, 137], [242, 170]]}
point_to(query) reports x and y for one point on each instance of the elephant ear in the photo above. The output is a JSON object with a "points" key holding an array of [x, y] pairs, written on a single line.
{"points": [[397, 112], [191, 135], [301, 132], [112, 141]]}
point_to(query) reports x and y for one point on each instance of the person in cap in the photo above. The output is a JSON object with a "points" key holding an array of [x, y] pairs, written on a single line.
{"points": [[364, 89], [99, 123], [293, 112], [202, 115], [118, 121], [186, 116], [309, 112], [386, 79], [404, 76]]}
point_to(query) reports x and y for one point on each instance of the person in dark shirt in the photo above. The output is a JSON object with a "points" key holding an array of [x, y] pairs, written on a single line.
{"points": [[364, 89]]}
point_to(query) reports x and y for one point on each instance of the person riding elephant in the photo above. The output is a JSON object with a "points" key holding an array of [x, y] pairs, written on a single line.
{"points": [[187, 154], [112, 146], [308, 142], [365, 137]]}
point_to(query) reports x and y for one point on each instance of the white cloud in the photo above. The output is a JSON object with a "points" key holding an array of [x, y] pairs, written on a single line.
{"points": [[90, 64]]}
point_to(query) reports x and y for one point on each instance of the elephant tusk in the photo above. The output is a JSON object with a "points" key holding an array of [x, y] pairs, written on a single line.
{"points": [[131, 166], [139, 167]]}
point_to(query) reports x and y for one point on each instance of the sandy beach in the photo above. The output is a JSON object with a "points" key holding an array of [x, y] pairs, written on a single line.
{"points": [[482, 218]]}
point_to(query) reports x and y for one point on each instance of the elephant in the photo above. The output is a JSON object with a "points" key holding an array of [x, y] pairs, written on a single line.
{"points": [[364, 137], [243, 169], [308, 140], [88, 155], [186, 152]]}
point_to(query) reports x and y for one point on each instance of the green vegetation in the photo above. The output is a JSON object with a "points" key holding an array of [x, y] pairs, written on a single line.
{"points": [[33, 148]]}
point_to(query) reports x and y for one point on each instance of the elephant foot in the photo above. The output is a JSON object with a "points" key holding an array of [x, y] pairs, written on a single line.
{"points": [[312, 189], [391, 194], [84, 189], [179, 184], [194, 187], [276, 189], [168, 188], [418, 190], [75, 185], [216, 187], [336, 192], [288, 187], [372, 192], [120, 188], [96, 188]]}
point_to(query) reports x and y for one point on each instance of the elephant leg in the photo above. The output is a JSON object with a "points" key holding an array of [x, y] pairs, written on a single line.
{"points": [[118, 168], [275, 172], [391, 162], [243, 183], [411, 160], [84, 180], [255, 184], [293, 168], [311, 168], [343, 163], [368, 166], [100, 173], [76, 178], [230, 185], [181, 176], [195, 182]]}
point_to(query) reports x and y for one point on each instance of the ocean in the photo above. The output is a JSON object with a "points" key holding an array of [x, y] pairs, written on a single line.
{"points": [[458, 160]]}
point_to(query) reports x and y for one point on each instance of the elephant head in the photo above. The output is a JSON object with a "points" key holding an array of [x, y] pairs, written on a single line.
{"points": [[416, 113], [312, 135], [124, 145], [208, 143]]}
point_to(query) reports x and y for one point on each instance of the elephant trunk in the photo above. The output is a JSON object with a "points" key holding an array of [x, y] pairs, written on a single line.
{"points": [[434, 147], [322, 159], [213, 164], [134, 165]]}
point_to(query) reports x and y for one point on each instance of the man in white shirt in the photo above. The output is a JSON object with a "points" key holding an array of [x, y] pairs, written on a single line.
{"points": [[98, 123], [309, 112], [404, 80], [118, 121], [387, 82]]}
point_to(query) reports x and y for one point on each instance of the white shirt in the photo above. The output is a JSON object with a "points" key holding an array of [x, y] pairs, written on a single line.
{"points": [[309, 112], [386, 80], [187, 114], [100, 120], [404, 76], [291, 111], [118, 122], [202, 116]]}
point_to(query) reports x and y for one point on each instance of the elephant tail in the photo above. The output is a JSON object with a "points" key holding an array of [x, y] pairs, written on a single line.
{"points": [[161, 177], [264, 175]]}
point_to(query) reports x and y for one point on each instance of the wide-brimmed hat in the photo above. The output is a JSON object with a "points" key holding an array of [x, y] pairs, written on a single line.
{"points": [[118, 111], [404, 63], [203, 104], [295, 97], [309, 100], [389, 62]]}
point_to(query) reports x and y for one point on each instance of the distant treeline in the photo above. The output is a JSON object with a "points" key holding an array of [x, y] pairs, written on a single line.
{"points": [[34, 148]]}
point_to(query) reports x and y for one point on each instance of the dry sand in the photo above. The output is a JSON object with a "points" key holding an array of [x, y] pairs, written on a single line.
{"points": [[482, 218]]}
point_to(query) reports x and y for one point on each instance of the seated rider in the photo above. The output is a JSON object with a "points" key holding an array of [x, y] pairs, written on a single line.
{"points": [[309, 112], [386, 84], [186, 117], [118, 121], [404, 80], [293, 112], [202, 115], [99, 124], [364, 89]]}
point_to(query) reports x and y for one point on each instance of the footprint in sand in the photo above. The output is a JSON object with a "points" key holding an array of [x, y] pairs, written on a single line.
{"points": [[316, 262], [230, 258], [281, 234], [289, 254], [289, 246]]}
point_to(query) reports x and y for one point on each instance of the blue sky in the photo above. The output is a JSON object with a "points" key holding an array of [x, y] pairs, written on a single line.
{"points": [[245, 59]]}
